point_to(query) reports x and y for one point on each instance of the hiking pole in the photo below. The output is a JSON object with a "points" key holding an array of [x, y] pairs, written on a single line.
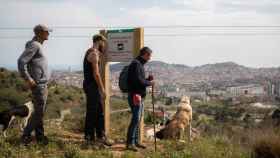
{"points": [[154, 118]]}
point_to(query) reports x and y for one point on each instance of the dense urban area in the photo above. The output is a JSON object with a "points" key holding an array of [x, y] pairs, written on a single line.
{"points": [[222, 80]]}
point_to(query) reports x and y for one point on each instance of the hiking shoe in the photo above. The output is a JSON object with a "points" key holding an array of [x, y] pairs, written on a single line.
{"points": [[90, 138], [131, 147], [99, 146], [105, 141], [26, 140], [89, 144], [43, 140], [139, 145]]}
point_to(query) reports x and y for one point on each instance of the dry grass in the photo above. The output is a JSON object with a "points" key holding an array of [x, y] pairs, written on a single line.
{"points": [[218, 140], [266, 144]]}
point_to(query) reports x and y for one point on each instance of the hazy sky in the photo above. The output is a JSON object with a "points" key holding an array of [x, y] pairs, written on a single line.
{"points": [[254, 47]]}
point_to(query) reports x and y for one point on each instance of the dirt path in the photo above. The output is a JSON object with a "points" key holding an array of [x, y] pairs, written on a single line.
{"points": [[118, 149]]}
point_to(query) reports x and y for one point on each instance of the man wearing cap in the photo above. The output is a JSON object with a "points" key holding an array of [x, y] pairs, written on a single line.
{"points": [[137, 84], [95, 94], [33, 67]]}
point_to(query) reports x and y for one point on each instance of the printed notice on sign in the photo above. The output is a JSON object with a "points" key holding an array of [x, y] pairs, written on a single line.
{"points": [[120, 45]]}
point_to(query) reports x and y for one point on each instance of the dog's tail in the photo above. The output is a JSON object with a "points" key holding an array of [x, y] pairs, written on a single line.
{"points": [[5, 113]]}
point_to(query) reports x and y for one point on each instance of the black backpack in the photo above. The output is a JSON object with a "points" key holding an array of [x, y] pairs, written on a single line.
{"points": [[123, 85]]}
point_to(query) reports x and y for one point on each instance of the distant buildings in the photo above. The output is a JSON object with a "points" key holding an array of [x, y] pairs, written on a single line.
{"points": [[273, 87], [217, 92], [178, 88], [68, 78], [252, 89]]}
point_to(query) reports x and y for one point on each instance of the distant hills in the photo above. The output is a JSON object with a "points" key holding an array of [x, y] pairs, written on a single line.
{"points": [[226, 71]]}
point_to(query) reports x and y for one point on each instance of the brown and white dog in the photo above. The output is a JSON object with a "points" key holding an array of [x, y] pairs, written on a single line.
{"points": [[180, 124], [24, 112]]}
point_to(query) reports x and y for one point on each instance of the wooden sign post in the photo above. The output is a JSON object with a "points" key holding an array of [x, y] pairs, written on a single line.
{"points": [[123, 46]]}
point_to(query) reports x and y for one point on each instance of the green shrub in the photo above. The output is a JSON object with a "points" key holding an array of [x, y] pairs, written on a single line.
{"points": [[6, 150], [72, 151]]}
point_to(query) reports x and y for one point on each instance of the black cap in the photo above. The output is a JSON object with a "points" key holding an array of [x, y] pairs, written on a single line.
{"points": [[145, 50]]}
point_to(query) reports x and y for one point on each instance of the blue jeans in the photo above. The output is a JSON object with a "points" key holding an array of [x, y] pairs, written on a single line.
{"points": [[137, 113]]}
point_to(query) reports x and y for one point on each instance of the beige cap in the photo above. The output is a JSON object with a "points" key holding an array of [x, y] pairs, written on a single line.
{"points": [[41, 27]]}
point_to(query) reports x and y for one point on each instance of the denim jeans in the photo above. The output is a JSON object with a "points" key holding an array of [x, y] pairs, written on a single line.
{"points": [[137, 113], [39, 98]]}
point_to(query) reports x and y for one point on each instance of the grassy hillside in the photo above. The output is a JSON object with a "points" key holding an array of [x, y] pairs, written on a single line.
{"points": [[222, 135], [14, 92]]}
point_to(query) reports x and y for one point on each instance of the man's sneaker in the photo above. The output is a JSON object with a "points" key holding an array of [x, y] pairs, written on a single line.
{"points": [[131, 147], [43, 140], [99, 146], [88, 144], [105, 141], [139, 145], [26, 140], [89, 138]]}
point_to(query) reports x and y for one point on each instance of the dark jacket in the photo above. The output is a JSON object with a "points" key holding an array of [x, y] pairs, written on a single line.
{"points": [[137, 82]]}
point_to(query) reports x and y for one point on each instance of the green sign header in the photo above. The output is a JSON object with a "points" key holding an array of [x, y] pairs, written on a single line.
{"points": [[120, 30]]}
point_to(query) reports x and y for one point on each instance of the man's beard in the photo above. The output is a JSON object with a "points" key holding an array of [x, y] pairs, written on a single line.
{"points": [[102, 49]]}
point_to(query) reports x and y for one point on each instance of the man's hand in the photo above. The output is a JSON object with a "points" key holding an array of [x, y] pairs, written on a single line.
{"points": [[103, 94], [150, 78], [31, 83], [152, 83]]}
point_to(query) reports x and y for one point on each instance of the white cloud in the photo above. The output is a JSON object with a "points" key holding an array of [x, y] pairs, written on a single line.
{"points": [[28, 13], [122, 9], [198, 6], [164, 16], [234, 6]]}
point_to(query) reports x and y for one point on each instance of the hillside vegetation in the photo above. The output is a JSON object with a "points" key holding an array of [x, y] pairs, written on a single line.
{"points": [[222, 135]]}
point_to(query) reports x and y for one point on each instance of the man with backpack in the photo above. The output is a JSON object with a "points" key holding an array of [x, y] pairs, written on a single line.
{"points": [[137, 84]]}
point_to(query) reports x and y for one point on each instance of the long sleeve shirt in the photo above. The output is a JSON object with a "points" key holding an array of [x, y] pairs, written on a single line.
{"points": [[137, 81], [32, 64]]}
